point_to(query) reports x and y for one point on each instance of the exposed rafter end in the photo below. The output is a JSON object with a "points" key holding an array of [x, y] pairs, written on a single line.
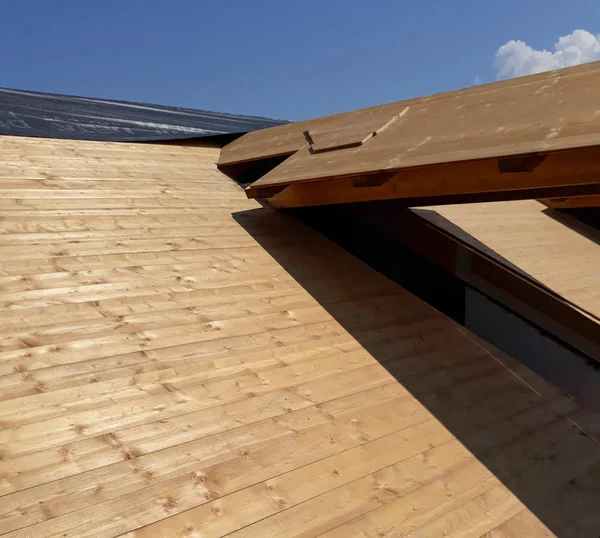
{"points": [[264, 192], [364, 181], [566, 174], [572, 202], [372, 180], [523, 163]]}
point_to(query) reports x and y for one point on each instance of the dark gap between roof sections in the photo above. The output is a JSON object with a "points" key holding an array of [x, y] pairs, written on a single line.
{"points": [[449, 294]]}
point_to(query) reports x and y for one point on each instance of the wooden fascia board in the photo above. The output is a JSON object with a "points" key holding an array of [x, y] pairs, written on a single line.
{"points": [[546, 111], [568, 173]]}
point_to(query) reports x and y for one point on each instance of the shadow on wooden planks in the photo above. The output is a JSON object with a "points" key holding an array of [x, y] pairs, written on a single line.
{"points": [[450, 227], [584, 221], [435, 259], [538, 441]]}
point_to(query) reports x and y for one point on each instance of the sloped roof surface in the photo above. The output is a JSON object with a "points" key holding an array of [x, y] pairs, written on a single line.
{"points": [[177, 360], [496, 140], [26, 113], [553, 248]]}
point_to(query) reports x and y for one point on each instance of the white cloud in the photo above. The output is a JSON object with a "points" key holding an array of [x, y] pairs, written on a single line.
{"points": [[517, 58]]}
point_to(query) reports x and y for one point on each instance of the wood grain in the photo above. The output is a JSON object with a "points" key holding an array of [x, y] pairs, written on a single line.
{"points": [[437, 184], [176, 360], [540, 113], [456, 143], [493, 248], [555, 249]]}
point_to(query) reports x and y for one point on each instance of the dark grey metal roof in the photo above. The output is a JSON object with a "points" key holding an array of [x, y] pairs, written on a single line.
{"points": [[27, 113]]}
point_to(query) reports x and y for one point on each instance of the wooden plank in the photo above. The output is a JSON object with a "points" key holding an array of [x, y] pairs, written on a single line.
{"points": [[477, 510], [407, 480], [439, 183], [472, 125], [250, 506], [48, 465], [300, 437], [218, 353], [515, 108], [558, 251], [219, 386], [338, 411], [45, 356], [295, 487], [22, 411]]}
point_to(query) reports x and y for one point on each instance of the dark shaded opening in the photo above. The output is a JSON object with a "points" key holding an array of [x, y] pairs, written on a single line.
{"points": [[583, 220], [217, 141], [248, 172], [409, 251], [392, 258], [587, 215], [525, 437]]}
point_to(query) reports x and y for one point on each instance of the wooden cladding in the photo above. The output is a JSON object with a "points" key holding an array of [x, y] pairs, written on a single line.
{"points": [[576, 172], [513, 137]]}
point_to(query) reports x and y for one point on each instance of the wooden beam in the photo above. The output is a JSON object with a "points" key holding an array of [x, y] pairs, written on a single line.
{"points": [[576, 172], [515, 121], [572, 202], [514, 289]]}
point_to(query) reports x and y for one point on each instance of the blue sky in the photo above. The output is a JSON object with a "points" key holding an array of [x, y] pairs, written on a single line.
{"points": [[281, 59]]}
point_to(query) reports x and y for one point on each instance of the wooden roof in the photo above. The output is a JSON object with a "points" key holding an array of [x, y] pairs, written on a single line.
{"points": [[503, 138], [179, 361], [537, 262], [551, 247]]}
